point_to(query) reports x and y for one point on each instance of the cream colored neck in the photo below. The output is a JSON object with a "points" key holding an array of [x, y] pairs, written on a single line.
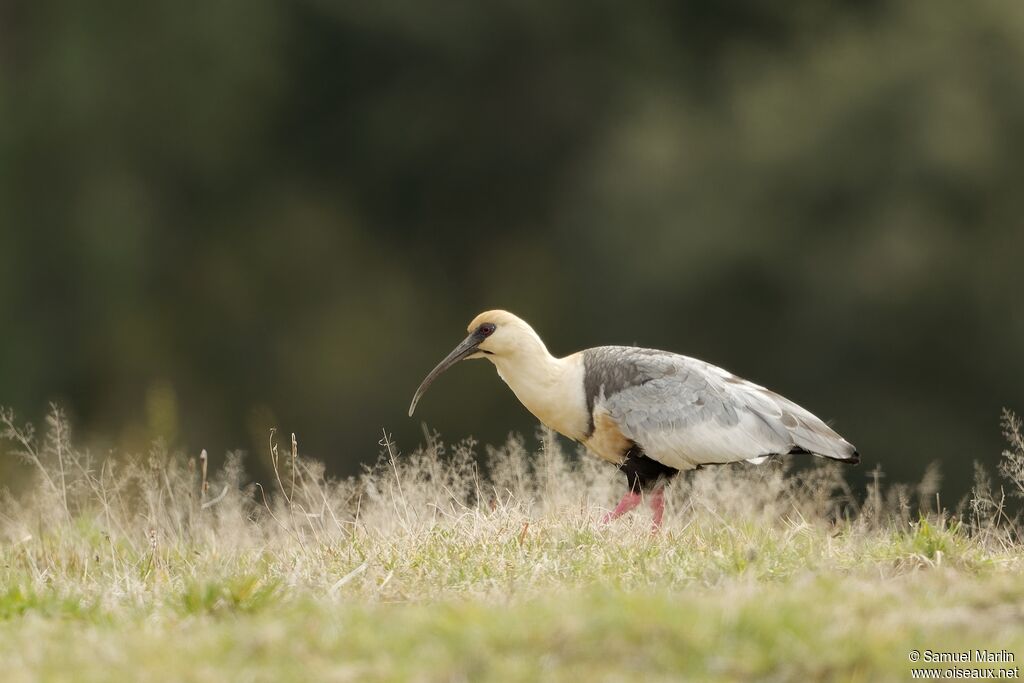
{"points": [[550, 388]]}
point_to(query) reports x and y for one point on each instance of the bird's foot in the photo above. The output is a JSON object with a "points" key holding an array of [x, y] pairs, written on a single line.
{"points": [[628, 502]]}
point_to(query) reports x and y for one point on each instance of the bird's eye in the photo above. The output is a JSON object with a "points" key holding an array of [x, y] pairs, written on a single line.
{"points": [[487, 329]]}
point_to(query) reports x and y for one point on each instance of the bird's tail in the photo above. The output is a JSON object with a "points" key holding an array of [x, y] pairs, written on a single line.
{"points": [[814, 437], [851, 457]]}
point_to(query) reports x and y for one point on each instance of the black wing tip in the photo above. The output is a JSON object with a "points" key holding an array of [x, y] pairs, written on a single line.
{"points": [[851, 459]]}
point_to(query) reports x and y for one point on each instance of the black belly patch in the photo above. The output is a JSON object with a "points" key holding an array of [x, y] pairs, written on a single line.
{"points": [[642, 473]]}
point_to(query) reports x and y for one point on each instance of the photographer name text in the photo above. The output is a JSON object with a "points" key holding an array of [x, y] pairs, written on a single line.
{"points": [[965, 656]]}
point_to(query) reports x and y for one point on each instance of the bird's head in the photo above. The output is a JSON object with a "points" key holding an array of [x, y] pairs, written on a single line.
{"points": [[496, 335]]}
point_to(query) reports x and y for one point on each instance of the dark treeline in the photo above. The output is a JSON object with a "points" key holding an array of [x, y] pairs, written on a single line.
{"points": [[220, 217]]}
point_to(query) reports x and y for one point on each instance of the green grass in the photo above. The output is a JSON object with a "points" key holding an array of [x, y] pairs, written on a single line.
{"points": [[814, 627], [424, 570]]}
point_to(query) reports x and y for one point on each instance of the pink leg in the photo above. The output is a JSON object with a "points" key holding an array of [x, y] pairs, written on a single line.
{"points": [[657, 507], [628, 502]]}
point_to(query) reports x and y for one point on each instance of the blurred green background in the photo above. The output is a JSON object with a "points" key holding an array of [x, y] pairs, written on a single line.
{"points": [[220, 217]]}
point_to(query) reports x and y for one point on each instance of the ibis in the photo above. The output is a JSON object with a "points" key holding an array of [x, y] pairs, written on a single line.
{"points": [[651, 413]]}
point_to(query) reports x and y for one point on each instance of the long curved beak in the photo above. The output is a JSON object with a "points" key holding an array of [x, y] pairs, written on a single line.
{"points": [[467, 348]]}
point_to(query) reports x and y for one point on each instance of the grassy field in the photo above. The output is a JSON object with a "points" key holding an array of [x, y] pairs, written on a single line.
{"points": [[151, 568]]}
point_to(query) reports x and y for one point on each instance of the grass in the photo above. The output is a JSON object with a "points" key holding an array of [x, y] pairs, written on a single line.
{"points": [[423, 568]]}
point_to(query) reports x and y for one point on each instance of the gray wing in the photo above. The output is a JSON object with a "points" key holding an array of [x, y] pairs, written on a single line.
{"points": [[684, 412]]}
